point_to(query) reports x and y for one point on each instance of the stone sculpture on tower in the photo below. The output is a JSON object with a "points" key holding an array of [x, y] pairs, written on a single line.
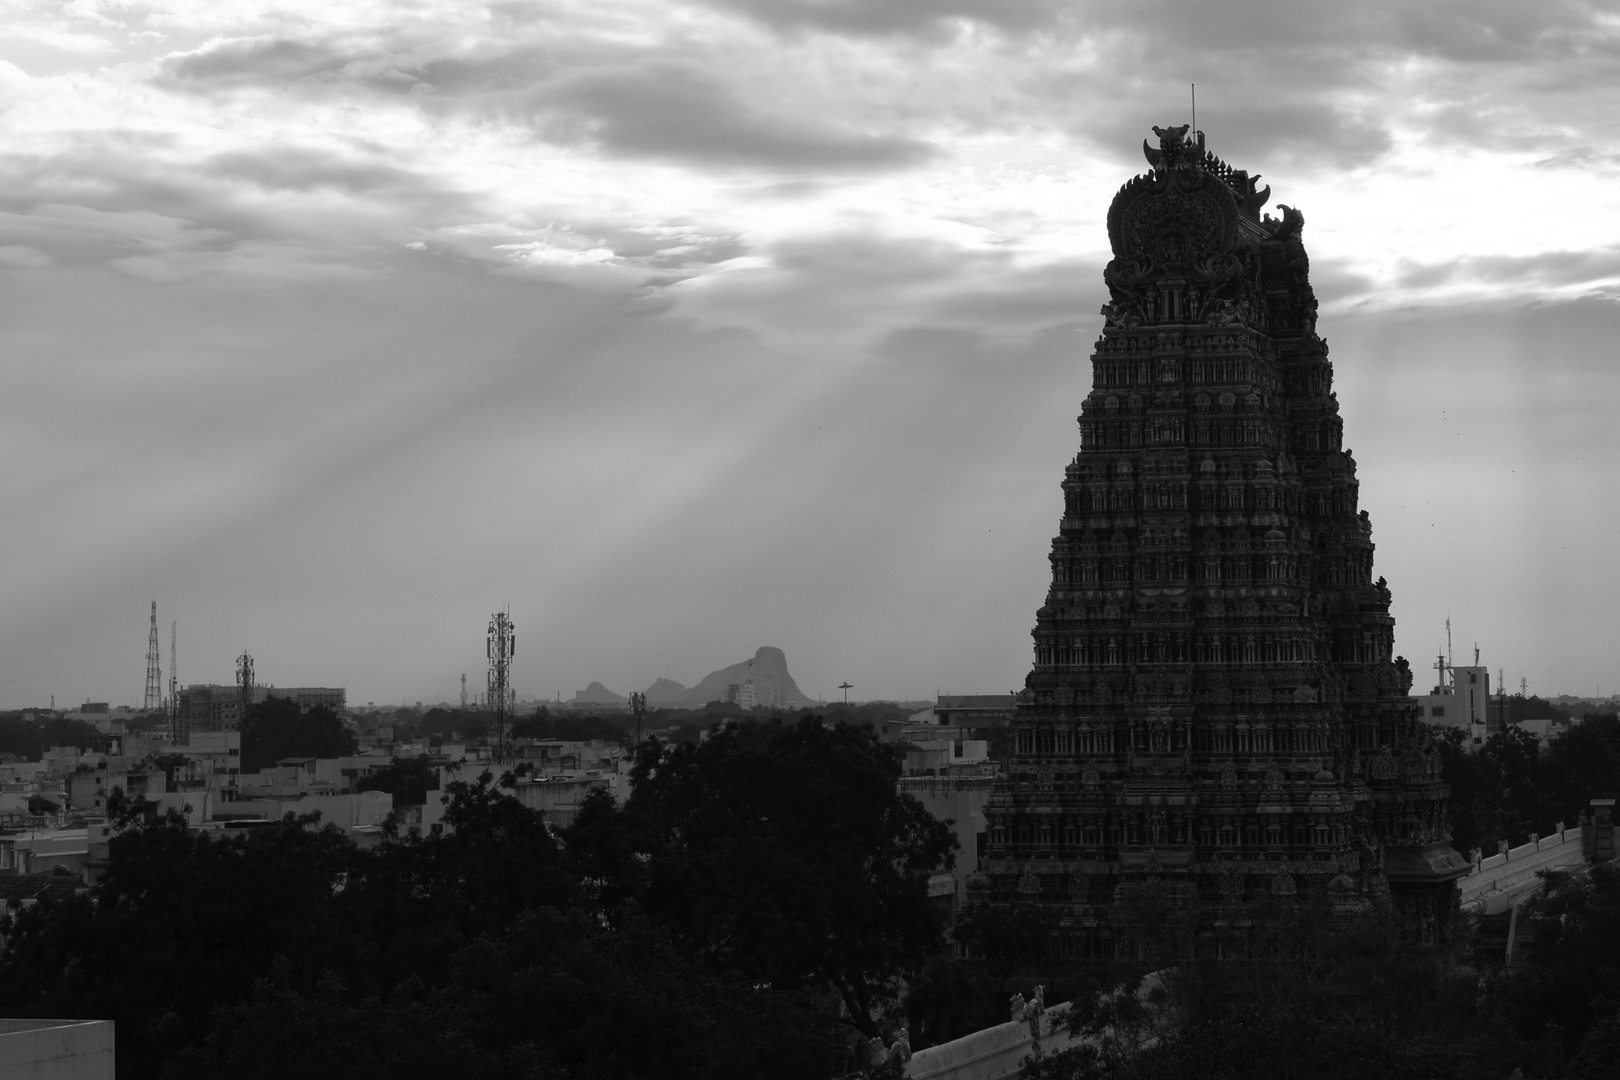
{"points": [[1214, 723]]}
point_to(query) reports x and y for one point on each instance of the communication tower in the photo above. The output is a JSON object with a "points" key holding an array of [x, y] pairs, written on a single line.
{"points": [[463, 691], [244, 680], [638, 709], [500, 644], [174, 681], [154, 669]]}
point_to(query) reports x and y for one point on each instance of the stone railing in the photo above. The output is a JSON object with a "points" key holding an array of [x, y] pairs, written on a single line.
{"points": [[994, 1052], [1498, 883]]}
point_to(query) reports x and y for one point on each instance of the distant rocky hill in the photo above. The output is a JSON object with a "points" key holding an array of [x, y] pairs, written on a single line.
{"points": [[667, 693], [764, 680], [767, 673], [597, 694]]}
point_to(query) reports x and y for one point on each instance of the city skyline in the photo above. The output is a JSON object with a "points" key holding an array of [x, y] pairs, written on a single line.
{"points": [[688, 328]]}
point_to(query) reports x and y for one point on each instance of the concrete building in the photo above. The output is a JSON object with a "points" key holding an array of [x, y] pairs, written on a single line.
{"points": [[559, 797], [57, 1049], [1461, 700], [213, 707], [974, 711]]}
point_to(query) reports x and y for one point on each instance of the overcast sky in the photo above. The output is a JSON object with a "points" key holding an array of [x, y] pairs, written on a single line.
{"points": [[689, 327]]}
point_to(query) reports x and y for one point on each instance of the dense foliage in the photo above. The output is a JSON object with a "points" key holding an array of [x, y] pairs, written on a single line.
{"points": [[407, 779], [1510, 788], [29, 739], [546, 723], [695, 932], [277, 728], [1322, 999], [784, 852]]}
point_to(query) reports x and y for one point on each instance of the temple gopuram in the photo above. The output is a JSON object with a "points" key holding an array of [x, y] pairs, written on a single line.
{"points": [[1215, 725]]}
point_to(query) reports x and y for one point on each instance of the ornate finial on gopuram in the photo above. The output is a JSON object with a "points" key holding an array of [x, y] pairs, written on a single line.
{"points": [[1176, 149]]}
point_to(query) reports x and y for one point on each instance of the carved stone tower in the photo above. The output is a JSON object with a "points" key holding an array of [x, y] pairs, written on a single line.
{"points": [[1215, 723]]}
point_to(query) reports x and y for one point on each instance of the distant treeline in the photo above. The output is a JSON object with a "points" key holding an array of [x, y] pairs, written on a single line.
{"points": [[670, 936], [1510, 787], [29, 739], [614, 725]]}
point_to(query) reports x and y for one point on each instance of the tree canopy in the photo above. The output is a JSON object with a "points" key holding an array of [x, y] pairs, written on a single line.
{"points": [[29, 739], [1510, 787], [289, 951], [277, 728], [1323, 999], [782, 852], [407, 779]]}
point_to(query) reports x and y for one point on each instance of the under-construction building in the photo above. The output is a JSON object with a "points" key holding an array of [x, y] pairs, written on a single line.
{"points": [[216, 707]]}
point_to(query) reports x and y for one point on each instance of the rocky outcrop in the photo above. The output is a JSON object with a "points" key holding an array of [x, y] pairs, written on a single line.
{"points": [[597, 694], [766, 674], [667, 693], [762, 680]]}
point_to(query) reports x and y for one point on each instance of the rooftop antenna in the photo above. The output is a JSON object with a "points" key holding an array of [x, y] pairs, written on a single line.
{"points": [[1195, 110], [1448, 640], [1476, 654], [174, 664], [154, 668], [500, 645]]}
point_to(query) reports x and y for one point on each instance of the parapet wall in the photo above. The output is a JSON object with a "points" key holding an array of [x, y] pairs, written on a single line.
{"points": [[1497, 883], [57, 1049], [994, 1052]]}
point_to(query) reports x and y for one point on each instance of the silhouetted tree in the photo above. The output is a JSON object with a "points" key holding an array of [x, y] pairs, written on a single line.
{"points": [[407, 779], [785, 853], [288, 951], [277, 728]]}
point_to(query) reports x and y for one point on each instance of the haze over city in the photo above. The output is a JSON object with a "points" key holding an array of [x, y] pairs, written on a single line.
{"points": [[687, 328]]}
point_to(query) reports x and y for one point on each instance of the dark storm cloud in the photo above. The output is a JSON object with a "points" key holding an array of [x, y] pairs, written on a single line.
{"points": [[294, 169], [1335, 282], [1033, 296], [1495, 74], [889, 17], [1248, 132], [677, 111], [1550, 268], [1463, 30], [253, 61]]}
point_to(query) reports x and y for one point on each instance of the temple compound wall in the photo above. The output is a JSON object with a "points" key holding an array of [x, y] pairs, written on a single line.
{"points": [[1214, 721]]}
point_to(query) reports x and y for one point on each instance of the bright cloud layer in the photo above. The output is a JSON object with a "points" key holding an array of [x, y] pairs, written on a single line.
{"points": [[267, 258]]}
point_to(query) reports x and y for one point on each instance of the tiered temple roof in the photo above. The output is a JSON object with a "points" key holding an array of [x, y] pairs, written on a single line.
{"points": [[1215, 720]]}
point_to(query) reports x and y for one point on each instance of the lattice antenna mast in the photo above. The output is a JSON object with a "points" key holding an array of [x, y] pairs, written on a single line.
{"points": [[154, 668], [174, 679], [499, 646], [638, 709]]}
